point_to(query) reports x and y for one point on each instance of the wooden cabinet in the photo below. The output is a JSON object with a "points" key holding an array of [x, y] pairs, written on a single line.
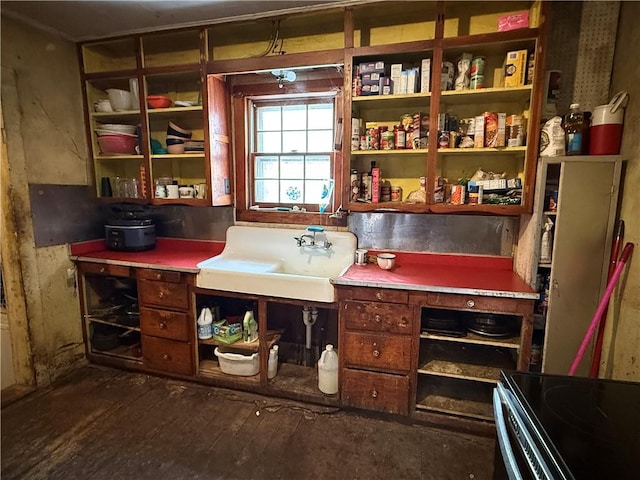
{"points": [[137, 317], [439, 36], [166, 321], [172, 65], [377, 339], [585, 193]]}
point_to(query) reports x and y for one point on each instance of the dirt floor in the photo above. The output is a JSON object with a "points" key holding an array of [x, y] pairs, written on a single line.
{"points": [[100, 423]]}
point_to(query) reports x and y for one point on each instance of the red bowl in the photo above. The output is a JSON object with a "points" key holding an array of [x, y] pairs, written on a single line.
{"points": [[158, 101], [118, 144]]}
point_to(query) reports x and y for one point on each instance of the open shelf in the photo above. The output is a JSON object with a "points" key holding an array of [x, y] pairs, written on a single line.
{"points": [[455, 397], [468, 362], [482, 95], [410, 100], [484, 150], [119, 157], [404, 151], [211, 369], [473, 338], [114, 322]]}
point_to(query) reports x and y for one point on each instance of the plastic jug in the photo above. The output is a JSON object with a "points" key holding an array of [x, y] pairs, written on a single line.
{"points": [[606, 126], [328, 371], [205, 324]]}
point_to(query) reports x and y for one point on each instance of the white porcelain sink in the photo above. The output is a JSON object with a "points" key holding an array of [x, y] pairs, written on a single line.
{"points": [[269, 262]]}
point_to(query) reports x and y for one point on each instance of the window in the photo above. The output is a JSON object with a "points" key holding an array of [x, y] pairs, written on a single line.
{"points": [[291, 151]]}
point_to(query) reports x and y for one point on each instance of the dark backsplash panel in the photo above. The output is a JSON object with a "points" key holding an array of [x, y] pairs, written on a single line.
{"points": [[71, 213], [460, 234]]}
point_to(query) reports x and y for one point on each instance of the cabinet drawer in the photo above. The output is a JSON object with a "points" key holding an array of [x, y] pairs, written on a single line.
{"points": [[472, 302], [164, 294], [167, 355], [380, 295], [105, 269], [160, 275], [378, 317], [161, 323], [375, 391], [382, 352]]}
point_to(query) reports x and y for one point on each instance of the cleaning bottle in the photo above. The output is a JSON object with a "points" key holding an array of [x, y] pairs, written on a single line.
{"points": [[545, 247], [328, 371], [250, 327], [272, 369], [205, 324]]}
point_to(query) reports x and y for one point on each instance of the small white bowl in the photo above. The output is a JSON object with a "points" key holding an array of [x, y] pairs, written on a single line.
{"points": [[386, 261], [120, 99]]}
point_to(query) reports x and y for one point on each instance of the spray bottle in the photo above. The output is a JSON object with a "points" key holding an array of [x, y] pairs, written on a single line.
{"points": [[250, 327], [545, 248]]}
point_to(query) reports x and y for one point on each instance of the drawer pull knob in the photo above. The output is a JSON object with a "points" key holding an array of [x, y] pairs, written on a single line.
{"points": [[166, 356], [102, 270], [379, 295], [378, 318], [163, 325], [471, 303], [158, 276], [161, 294], [376, 353], [374, 393]]}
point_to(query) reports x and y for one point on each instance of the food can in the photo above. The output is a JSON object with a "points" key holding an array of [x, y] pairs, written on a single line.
{"points": [[457, 194], [386, 140], [355, 185], [396, 194], [477, 66], [373, 139], [477, 81]]}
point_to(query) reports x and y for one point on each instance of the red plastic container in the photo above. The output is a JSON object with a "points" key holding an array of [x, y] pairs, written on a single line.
{"points": [[606, 127]]}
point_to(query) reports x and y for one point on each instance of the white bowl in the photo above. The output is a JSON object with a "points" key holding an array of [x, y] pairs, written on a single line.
{"points": [[117, 127], [120, 99], [386, 261], [103, 106]]}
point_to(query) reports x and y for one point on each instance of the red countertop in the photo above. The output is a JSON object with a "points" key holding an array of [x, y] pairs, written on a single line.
{"points": [[169, 254], [462, 274]]}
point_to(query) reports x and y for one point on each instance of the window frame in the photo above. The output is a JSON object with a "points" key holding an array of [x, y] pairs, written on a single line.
{"points": [[242, 96], [252, 154]]}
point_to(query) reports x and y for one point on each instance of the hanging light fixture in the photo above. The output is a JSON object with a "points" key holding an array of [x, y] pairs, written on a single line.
{"points": [[284, 76]]}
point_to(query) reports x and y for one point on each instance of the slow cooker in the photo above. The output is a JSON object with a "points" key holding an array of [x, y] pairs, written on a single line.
{"points": [[130, 234]]}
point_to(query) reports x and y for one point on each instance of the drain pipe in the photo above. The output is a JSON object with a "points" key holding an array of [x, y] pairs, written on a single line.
{"points": [[309, 317]]}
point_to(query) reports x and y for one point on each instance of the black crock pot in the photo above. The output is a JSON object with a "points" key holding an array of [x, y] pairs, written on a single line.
{"points": [[130, 234]]}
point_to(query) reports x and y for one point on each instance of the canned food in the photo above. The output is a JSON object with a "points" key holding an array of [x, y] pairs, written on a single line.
{"points": [[386, 140], [396, 194], [477, 66], [477, 81], [373, 139]]}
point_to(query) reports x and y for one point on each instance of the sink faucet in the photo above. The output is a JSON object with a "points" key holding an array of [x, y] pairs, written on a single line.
{"points": [[315, 238]]}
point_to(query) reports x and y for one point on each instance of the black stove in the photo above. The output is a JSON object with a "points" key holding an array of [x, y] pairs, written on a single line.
{"points": [[568, 427]]}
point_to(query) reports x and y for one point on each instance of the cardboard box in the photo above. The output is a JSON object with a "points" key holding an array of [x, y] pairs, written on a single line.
{"points": [[369, 67], [412, 80], [396, 73], [513, 21], [425, 75], [501, 139], [370, 90], [515, 68], [499, 184], [404, 78], [227, 333], [478, 133], [372, 78]]}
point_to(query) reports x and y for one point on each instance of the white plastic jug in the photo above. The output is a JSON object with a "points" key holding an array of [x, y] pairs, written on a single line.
{"points": [[328, 371], [606, 126]]}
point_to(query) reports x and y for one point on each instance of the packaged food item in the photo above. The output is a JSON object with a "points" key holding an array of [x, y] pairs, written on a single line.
{"points": [[477, 82], [478, 132], [515, 68], [464, 72], [490, 129], [477, 66], [552, 138], [457, 194], [446, 76], [502, 129], [514, 131]]}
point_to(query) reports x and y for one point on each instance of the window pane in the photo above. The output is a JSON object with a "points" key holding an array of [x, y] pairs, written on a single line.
{"points": [[294, 141], [267, 191], [269, 142], [292, 167], [292, 191], [268, 118], [318, 167], [266, 167], [294, 117], [320, 141], [313, 190], [321, 116]]}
